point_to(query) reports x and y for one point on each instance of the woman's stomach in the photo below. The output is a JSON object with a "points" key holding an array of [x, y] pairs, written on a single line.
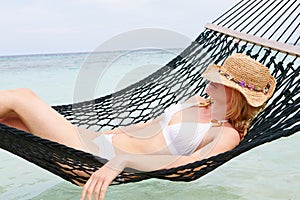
{"points": [[147, 140]]}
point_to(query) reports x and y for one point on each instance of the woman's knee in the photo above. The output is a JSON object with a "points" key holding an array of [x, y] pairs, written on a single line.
{"points": [[21, 95], [12, 100], [24, 94]]}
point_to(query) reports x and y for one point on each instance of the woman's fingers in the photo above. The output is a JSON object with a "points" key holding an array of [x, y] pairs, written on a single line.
{"points": [[91, 190], [85, 188], [100, 180], [88, 188], [96, 186], [104, 189], [98, 190]]}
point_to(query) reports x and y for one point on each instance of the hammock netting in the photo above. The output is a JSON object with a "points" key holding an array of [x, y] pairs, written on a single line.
{"points": [[276, 21]]}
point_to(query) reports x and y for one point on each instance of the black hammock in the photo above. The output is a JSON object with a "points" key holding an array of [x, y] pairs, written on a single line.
{"points": [[268, 31]]}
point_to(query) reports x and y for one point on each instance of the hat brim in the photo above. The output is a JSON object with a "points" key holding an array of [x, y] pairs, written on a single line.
{"points": [[254, 98]]}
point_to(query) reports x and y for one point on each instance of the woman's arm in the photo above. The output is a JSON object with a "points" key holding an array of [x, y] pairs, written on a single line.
{"points": [[101, 179], [153, 162], [226, 140]]}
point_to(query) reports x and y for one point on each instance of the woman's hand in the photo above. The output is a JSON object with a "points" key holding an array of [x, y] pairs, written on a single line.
{"points": [[195, 99], [100, 180]]}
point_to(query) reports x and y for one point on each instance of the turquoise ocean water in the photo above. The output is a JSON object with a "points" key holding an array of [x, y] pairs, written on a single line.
{"points": [[270, 171]]}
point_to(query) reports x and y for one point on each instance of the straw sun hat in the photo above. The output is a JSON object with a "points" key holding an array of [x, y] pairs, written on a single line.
{"points": [[246, 75]]}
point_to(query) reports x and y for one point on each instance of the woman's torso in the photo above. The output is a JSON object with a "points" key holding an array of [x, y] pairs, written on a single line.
{"points": [[151, 139]]}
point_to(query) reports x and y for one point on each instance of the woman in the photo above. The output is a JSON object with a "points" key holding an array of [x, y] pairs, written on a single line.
{"points": [[185, 133]]}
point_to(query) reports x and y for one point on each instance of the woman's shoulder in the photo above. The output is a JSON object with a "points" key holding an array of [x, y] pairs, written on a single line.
{"points": [[225, 136], [230, 136], [219, 140]]}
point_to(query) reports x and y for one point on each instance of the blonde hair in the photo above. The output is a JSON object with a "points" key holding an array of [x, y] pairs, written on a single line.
{"points": [[240, 114]]}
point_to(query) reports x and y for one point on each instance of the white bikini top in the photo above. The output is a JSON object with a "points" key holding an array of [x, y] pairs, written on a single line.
{"points": [[182, 138]]}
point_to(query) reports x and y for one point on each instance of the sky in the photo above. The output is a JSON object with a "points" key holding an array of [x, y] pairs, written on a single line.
{"points": [[61, 26]]}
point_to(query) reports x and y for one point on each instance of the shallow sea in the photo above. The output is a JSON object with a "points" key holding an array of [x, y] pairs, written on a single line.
{"points": [[270, 171]]}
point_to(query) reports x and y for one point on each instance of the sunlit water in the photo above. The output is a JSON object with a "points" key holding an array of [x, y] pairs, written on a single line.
{"points": [[270, 171]]}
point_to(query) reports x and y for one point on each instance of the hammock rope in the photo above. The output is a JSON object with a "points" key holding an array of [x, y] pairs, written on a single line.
{"points": [[176, 81]]}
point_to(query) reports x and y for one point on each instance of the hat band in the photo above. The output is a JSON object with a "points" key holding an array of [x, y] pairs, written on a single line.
{"points": [[243, 84]]}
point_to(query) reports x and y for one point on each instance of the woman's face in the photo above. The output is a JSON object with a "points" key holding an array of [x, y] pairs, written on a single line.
{"points": [[218, 92]]}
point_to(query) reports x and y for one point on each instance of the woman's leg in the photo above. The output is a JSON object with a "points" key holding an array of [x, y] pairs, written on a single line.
{"points": [[14, 121], [22, 109]]}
